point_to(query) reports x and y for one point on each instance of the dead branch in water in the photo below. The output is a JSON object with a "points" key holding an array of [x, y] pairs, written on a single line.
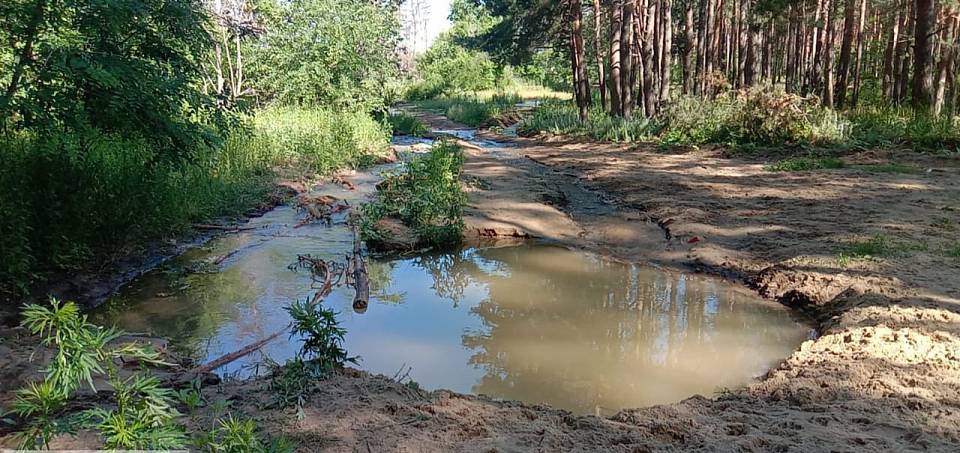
{"points": [[234, 356], [361, 280]]}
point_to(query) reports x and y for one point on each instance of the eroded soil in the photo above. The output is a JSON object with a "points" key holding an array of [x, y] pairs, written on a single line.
{"points": [[884, 374]]}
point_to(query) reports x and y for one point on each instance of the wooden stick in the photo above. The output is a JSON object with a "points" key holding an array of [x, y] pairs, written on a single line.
{"points": [[361, 281], [234, 356]]}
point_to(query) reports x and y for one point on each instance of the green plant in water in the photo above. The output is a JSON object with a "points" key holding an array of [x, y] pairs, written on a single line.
{"points": [[427, 197], [143, 417]]}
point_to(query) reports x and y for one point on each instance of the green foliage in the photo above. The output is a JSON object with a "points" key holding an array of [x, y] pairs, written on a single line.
{"points": [[120, 67], [143, 417], [562, 118], [757, 116], [472, 110], [449, 69], [321, 139], [877, 246], [889, 167], [405, 124], [236, 435], [427, 197], [191, 396], [806, 163], [321, 335], [886, 126], [70, 197], [331, 53]]}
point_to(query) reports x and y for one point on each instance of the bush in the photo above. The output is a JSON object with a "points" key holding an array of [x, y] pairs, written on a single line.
{"points": [[406, 124], [427, 198], [887, 126], [562, 118], [758, 116]]}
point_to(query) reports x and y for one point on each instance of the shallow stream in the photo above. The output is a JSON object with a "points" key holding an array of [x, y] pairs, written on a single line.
{"points": [[536, 323]]}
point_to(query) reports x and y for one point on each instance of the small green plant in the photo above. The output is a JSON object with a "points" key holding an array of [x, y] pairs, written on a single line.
{"points": [[405, 124], [953, 250], [878, 246], [191, 396], [944, 223], [143, 416], [806, 163], [427, 197], [235, 435], [321, 353]]}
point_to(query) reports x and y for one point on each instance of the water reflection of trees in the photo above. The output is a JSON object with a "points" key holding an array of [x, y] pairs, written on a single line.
{"points": [[583, 333]]}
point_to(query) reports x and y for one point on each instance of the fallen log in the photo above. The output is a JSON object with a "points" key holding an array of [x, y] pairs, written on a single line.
{"points": [[361, 281]]}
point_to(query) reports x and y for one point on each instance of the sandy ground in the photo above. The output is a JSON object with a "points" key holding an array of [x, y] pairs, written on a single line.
{"points": [[884, 374]]}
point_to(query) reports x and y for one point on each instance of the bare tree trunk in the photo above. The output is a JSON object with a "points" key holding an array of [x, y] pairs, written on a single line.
{"points": [[846, 50], [926, 20], [649, 88], [598, 46], [578, 59], [666, 20], [948, 53], [890, 57], [858, 72], [829, 34], [626, 57], [750, 62], [689, 41], [616, 58]]}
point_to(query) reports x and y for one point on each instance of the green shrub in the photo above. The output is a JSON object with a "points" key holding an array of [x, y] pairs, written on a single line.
{"points": [[885, 126], [427, 197], [562, 118], [406, 124]]}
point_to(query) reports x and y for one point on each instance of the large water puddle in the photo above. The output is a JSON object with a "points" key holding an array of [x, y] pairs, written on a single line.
{"points": [[534, 323]]}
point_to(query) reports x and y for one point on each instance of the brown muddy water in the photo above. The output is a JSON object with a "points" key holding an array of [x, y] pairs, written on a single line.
{"points": [[535, 323]]}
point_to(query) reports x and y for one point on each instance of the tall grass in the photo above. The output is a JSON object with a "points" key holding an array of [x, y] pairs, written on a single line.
{"points": [[472, 110], [562, 118], [68, 198]]}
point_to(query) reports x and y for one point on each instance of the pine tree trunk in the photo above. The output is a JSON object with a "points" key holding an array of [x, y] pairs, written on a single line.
{"points": [[829, 33], [578, 60], [616, 58], [649, 87], [626, 57], [666, 20], [858, 71], [926, 19], [947, 56], [689, 41], [598, 49], [846, 50]]}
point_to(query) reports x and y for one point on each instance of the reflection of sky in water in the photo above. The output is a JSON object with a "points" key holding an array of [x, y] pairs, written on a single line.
{"points": [[535, 323]]}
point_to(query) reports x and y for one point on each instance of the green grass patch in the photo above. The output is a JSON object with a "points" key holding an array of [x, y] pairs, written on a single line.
{"points": [[878, 246], [472, 111], [427, 197], [562, 118], [405, 124], [953, 250], [806, 164]]}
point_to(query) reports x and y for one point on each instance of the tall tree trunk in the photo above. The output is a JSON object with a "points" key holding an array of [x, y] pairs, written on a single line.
{"points": [[948, 53], [858, 71], [829, 33], [846, 50], [689, 41], [649, 87], [616, 58], [578, 60], [598, 49], [926, 19], [626, 57], [750, 61], [666, 20], [890, 57]]}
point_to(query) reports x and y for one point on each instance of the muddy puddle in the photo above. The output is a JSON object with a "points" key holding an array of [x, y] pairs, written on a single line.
{"points": [[535, 322]]}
